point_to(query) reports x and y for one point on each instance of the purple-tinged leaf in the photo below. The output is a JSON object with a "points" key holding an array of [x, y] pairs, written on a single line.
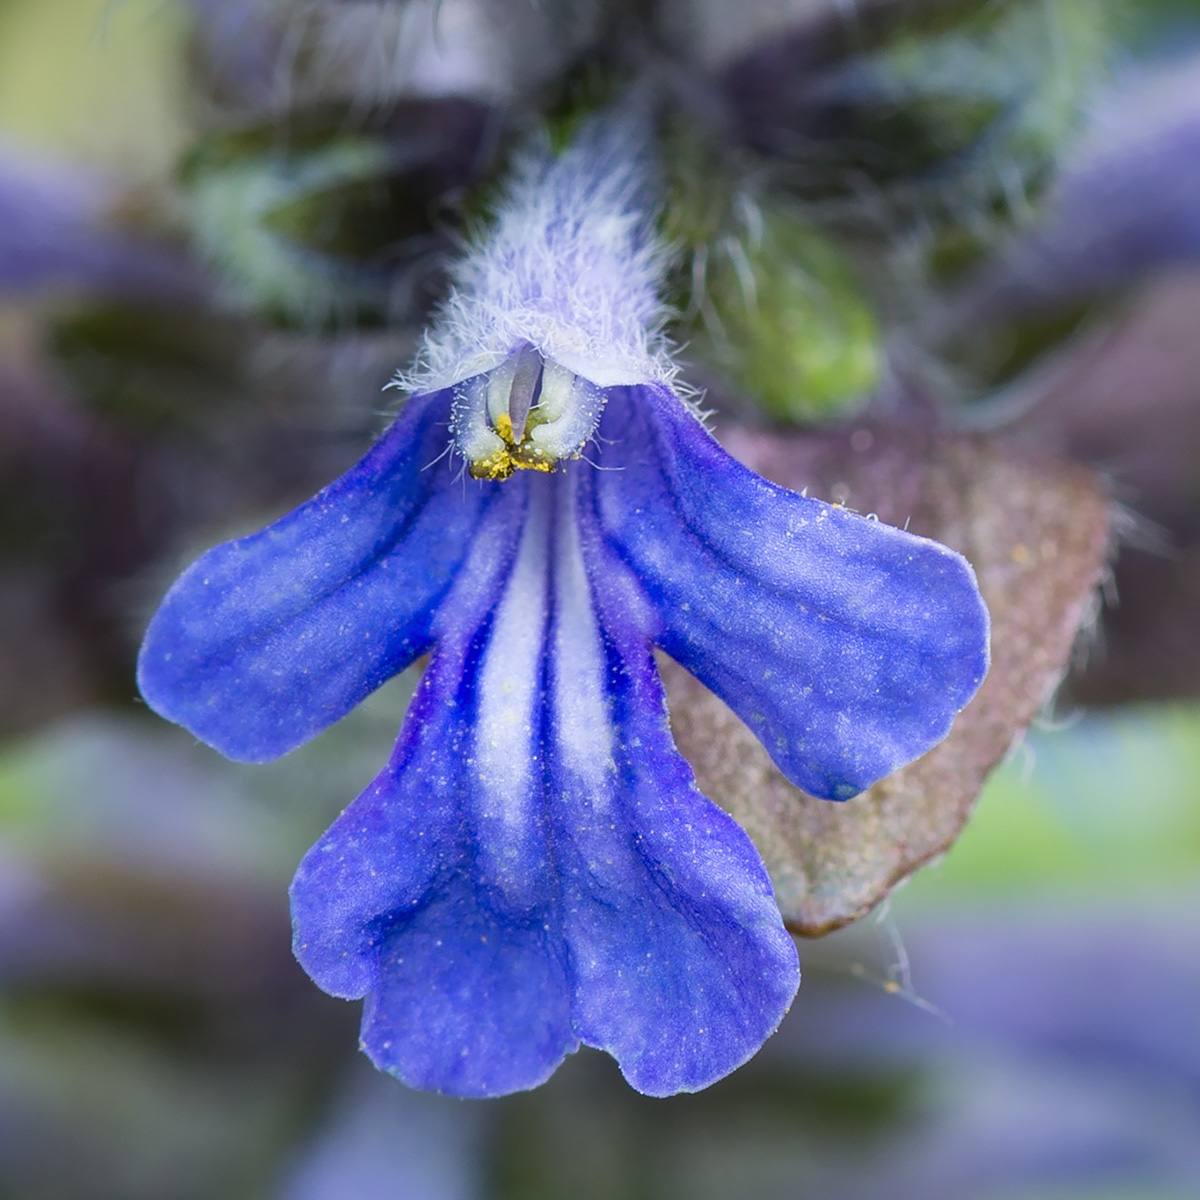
{"points": [[1037, 534]]}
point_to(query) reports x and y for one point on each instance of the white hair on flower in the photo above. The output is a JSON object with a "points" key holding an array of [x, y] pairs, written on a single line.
{"points": [[570, 265]]}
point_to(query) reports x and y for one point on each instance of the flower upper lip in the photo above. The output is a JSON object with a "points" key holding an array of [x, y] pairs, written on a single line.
{"points": [[570, 264]]}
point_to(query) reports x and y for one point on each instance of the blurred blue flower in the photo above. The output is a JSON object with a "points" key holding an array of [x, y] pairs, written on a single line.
{"points": [[1126, 203], [53, 235], [535, 868]]}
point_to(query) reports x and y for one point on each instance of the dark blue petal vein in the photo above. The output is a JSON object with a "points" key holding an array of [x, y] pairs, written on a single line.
{"points": [[847, 646], [266, 640]]}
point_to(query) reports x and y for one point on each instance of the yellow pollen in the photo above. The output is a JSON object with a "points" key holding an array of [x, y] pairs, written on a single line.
{"points": [[504, 463]]}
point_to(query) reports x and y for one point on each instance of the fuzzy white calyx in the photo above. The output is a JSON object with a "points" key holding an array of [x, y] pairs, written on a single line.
{"points": [[569, 266]]}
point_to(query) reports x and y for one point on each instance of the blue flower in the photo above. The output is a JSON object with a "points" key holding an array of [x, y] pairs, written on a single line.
{"points": [[53, 235], [535, 868]]}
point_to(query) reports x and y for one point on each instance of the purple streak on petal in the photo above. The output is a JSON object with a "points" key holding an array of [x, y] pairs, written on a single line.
{"points": [[847, 646], [266, 640], [473, 993], [681, 962], [422, 896], [383, 853]]}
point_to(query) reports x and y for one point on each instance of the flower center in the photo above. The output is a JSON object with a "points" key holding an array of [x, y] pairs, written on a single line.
{"points": [[527, 414]]}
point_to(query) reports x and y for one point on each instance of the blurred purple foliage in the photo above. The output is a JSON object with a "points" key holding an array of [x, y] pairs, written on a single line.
{"points": [[1127, 203], [156, 1039], [54, 234]]}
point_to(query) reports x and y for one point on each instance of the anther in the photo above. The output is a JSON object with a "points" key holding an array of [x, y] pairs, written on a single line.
{"points": [[526, 414]]}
